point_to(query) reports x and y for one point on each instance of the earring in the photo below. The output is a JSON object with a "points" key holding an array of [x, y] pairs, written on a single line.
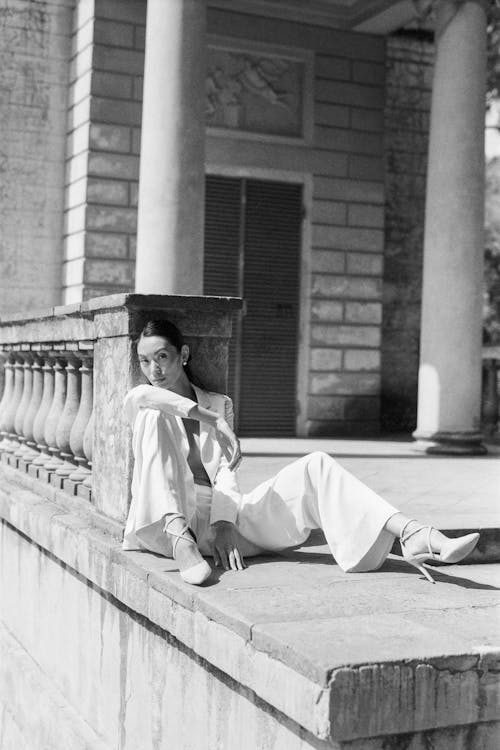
{"points": [[184, 363]]}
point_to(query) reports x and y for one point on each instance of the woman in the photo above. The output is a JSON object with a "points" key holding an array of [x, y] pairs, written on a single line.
{"points": [[186, 502]]}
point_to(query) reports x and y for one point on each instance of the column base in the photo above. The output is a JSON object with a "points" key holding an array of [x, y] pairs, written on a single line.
{"points": [[449, 443]]}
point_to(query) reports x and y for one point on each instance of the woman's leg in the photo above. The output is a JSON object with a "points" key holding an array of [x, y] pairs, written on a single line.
{"points": [[158, 495], [316, 492]]}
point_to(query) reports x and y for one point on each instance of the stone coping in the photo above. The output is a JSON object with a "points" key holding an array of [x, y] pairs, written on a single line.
{"points": [[344, 657], [132, 302]]}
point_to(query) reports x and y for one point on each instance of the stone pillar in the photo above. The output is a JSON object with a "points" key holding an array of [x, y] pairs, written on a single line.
{"points": [[449, 398], [172, 172]]}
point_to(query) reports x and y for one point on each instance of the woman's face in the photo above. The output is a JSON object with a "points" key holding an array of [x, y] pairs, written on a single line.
{"points": [[160, 361]]}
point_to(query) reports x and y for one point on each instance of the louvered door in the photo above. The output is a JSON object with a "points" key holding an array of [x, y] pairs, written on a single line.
{"points": [[252, 249], [222, 257]]}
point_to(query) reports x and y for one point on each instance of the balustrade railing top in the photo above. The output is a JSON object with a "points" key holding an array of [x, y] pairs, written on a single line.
{"points": [[65, 372]]}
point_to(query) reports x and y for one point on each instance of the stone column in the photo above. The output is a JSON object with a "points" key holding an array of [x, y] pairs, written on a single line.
{"points": [[449, 398], [172, 173]]}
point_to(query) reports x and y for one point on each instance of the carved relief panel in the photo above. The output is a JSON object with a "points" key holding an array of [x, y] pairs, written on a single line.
{"points": [[251, 91]]}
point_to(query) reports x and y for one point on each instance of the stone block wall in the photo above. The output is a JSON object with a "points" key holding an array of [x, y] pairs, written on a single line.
{"points": [[103, 148], [34, 52], [408, 95], [341, 167], [339, 382], [347, 245]]}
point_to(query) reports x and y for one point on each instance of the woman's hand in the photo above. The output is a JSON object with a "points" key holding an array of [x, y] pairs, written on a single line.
{"points": [[225, 546], [228, 442]]}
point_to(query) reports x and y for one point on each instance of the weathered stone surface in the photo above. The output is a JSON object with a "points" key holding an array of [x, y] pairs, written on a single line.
{"points": [[35, 48], [326, 310], [327, 261], [117, 85], [114, 192], [344, 383], [106, 245], [363, 312], [329, 212], [336, 68], [122, 166], [332, 114], [368, 240], [362, 359], [326, 359], [54, 723], [337, 335], [349, 93], [366, 216], [346, 287], [99, 271], [365, 264]]}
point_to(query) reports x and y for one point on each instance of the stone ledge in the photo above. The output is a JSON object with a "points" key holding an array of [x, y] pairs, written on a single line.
{"points": [[129, 301], [332, 668]]}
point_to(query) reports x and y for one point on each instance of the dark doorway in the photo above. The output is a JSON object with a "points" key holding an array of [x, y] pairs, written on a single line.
{"points": [[252, 250]]}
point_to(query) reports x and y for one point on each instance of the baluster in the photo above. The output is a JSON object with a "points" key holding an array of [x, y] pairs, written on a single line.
{"points": [[41, 417], [88, 443], [13, 442], [6, 402], [24, 404], [68, 417], [55, 413], [77, 436], [29, 420]]}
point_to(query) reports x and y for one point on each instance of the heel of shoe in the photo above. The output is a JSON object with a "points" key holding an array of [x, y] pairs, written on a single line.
{"points": [[416, 563], [423, 570]]}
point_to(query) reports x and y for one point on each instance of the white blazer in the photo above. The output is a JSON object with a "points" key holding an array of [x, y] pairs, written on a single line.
{"points": [[226, 495]]}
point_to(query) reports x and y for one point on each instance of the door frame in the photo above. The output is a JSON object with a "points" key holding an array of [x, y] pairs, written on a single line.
{"points": [[304, 328]]}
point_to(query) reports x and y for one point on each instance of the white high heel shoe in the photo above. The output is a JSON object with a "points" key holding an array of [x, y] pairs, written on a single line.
{"points": [[453, 550], [195, 574]]}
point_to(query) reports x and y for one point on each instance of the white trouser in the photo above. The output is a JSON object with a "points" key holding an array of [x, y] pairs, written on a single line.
{"points": [[310, 493]]}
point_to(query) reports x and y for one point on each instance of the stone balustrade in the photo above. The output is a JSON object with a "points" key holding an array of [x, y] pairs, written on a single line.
{"points": [[45, 411], [65, 372]]}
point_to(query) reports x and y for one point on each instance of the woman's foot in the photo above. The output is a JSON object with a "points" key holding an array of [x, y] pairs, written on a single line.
{"points": [[428, 540], [422, 543], [192, 567], [420, 539]]}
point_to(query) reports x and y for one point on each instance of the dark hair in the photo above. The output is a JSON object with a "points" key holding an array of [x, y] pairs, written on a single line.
{"points": [[166, 330], [169, 331]]}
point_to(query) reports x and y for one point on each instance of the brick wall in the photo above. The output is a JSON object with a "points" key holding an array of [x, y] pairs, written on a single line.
{"points": [[408, 92], [34, 51], [103, 147]]}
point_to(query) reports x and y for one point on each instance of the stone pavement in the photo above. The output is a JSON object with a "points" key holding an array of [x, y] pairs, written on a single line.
{"points": [[451, 493]]}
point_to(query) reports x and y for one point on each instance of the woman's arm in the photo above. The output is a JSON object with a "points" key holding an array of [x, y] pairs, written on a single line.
{"points": [[151, 397]]}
